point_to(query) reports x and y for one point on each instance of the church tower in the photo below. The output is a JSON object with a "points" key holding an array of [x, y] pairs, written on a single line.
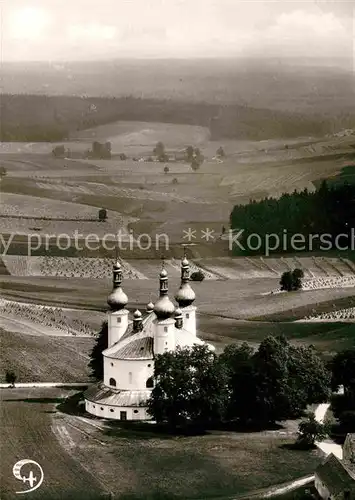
{"points": [[164, 338], [118, 314], [185, 297]]}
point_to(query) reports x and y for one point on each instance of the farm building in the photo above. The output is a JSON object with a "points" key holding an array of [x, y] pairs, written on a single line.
{"points": [[132, 345], [334, 481]]}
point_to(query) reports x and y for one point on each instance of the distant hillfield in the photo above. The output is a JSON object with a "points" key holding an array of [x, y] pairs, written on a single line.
{"points": [[36, 118], [234, 99]]}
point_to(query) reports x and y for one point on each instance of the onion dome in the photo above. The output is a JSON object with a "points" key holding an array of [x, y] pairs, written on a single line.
{"points": [[137, 321], [185, 296], [150, 307], [178, 318], [178, 313], [117, 299], [163, 307], [185, 262]]}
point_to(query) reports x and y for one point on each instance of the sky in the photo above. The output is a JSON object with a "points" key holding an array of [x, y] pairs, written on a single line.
{"points": [[67, 30]]}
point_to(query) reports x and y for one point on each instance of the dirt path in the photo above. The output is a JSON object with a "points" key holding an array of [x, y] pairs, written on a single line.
{"points": [[327, 446]]}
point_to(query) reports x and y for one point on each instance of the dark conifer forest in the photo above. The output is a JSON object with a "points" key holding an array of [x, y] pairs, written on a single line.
{"points": [[322, 220]]}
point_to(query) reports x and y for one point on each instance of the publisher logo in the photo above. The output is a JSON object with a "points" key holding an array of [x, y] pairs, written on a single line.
{"points": [[30, 473]]}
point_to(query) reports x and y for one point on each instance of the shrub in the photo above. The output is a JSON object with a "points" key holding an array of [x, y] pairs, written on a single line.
{"points": [[102, 215], [163, 158], [291, 280], [59, 151], [159, 149], [197, 276], [10, 378], [310, 430]]}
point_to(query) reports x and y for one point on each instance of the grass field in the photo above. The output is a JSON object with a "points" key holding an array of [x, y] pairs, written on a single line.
{"points": [[27, 423], [45, 358], [136, 464], [201, 467], [223, 307], [238, 299], [174, 200]]}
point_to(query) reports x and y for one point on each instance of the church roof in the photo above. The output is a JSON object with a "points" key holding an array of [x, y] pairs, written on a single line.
{"points": [[139, 345], [335, 476], [140, 348], [100, 394]]}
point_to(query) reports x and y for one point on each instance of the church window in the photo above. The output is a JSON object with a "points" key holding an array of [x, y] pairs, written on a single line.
{"points": [[187, 316], [130, 377], [118, 320], [165, 328], [150, 383], [112, 382]]}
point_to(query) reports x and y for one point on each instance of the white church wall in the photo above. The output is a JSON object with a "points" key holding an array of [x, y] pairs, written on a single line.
{"points": [[116, 412], [189, 319], [128, 374], [164, 338], [117, 325]]}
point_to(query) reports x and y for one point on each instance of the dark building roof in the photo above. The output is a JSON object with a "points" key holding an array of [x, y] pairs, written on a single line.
{"points": [[100, 394], [335, 476], [140, 348]]}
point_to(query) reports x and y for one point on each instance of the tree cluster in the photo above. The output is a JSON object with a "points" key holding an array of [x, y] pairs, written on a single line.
{"points": [[160, 153], [291, 281], [195, 157], [274, 383], [328, 214], [100, 151], [96, 363]]}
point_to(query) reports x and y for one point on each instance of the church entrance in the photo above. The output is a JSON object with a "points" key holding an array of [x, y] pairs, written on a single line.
{"points": [[123, 415]]}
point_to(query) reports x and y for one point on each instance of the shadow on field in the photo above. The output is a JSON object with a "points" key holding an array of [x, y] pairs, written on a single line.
{"points": [[150, 496], [36, 400], [74, 405], [298, 446]]}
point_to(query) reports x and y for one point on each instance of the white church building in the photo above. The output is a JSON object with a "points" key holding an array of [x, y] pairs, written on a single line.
{"points": [[133, 344]]}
